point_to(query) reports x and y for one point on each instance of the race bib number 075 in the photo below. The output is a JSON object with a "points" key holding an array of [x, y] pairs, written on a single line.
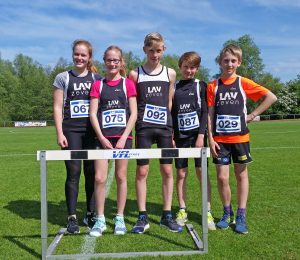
{"points": [[79, 108], [114, 118], [228, 124], [155, 114]]}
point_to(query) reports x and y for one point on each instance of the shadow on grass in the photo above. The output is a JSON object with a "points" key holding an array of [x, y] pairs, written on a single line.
{"points": [[31, 209], [16, 241]]}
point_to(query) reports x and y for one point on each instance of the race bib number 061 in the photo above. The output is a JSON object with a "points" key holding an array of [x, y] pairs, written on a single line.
{"points": [[114, 118], [228, 124], [79, 108], [155, 114]]}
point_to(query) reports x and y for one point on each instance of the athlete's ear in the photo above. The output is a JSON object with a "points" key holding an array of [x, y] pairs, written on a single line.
{"points": [[144, 49]]}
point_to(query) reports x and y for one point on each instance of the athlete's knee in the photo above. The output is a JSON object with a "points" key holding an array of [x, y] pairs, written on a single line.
{"points": [[142, 172], [100, 179], [166, 170]]}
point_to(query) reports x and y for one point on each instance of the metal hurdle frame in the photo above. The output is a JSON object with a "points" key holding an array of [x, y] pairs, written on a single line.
{"points": [[61, 155]]}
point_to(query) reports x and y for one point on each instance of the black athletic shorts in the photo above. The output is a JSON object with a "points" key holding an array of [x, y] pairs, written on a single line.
{"points": [[113, 141], [181, 163], [240, 153], [145, 137]]}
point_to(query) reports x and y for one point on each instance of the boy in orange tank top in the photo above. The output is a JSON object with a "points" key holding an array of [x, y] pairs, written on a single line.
{"points": [[228, 132]]}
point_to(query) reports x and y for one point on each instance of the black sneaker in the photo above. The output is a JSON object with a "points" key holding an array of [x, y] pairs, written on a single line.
{"points": [[72, 226], [90, 219], [169, 223], [141, 225]]}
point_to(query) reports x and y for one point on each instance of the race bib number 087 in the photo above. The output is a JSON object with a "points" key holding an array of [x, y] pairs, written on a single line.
{"points": [[114, 118], [188, 121], [79, 108], [228, 124], [155, 114]]}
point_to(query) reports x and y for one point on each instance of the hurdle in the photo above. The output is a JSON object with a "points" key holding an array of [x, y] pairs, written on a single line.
{"points": [[61, 155]]}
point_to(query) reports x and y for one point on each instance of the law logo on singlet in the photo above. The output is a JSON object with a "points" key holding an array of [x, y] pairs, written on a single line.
{"points": [[228, 124], [155, 114], [114, 118], [188, 121], [79, 108]]}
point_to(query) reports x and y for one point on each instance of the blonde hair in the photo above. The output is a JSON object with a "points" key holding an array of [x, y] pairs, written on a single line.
{"points": [[232, 49], [90, 66], [122, 59], [151, 37], [191, 57]]}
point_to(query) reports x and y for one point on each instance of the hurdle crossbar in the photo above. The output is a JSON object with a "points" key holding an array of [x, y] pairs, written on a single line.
{"points": [[61, 155]]}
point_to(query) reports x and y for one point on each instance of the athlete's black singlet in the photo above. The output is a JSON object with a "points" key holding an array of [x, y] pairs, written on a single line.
{"points": [[186, 108], [230, 109], [113, 112], [77, 102], [153, 99]]}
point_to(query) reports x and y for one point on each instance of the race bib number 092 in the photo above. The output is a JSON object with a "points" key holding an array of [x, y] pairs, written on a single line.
{"points": [[79, 108], [114, 118], [155, 114], [228, 124]]}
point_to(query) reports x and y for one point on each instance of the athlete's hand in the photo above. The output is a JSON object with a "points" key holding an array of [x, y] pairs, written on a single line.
{"points": [[121, 142], [214, 148], [199, 142], [62, 141], [173, 143], [105, 143]]}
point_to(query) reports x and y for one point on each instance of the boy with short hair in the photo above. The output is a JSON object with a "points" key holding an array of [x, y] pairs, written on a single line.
{"points": [[228, 132], [189, 113], [154, 83]]}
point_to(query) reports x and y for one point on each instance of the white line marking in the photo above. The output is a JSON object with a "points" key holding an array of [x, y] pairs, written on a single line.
{"points": [[17, 154], [285, 132], [110, 178], [276, 148], [88, 246]]}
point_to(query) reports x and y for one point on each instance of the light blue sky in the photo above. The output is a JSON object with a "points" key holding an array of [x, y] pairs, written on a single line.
{"points": [[45, 29]]}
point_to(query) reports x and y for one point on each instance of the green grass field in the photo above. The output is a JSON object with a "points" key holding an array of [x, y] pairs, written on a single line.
{"points": [[273, 213]]}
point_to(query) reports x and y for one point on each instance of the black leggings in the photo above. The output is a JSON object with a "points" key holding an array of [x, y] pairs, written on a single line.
{"points": [[79, 140]]}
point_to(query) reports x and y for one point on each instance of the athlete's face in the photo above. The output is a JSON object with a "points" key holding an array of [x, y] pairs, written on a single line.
{"points": [[81, 56], [229, 65], [154, 52], [113, 62], [188, 71]]}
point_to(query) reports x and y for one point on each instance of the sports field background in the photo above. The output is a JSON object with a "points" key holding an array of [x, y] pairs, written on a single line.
{"points": [[273, 213]]}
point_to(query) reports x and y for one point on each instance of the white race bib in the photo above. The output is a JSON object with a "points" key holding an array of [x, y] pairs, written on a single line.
{"points": [[114, 118], [155, 114], [79, 108], [188, 121], [228, 124]]}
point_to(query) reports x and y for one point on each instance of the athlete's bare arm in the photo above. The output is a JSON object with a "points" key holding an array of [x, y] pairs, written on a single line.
{"points": [[58, 102], [172, 77]]}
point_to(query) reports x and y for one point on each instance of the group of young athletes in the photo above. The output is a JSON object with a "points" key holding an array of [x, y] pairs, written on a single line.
{"points": [[94, 112]]}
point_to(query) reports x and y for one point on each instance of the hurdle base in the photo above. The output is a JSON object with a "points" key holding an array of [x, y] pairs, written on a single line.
{"points": [[63, 231]]}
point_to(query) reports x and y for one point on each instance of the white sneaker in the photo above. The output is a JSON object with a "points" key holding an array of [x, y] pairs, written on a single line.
{"points": [[120, 228], [99, 227], [210, 222]]}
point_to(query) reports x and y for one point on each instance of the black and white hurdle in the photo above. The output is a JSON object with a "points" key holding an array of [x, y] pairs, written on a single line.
{"points": [[61, 155]]}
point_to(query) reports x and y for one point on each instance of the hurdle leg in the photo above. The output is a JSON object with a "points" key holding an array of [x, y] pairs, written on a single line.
{"points": [[44, 213], [204, 156]]}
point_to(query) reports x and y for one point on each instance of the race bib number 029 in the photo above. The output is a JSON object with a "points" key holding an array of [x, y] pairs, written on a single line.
{"points": [[228, 124], [114, 118], [155, 114], [79, 108], [188, 121]]}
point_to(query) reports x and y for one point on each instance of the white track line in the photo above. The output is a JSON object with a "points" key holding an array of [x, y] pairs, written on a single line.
{"points": [[17, 154], [275, 148], [88, 246]]}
